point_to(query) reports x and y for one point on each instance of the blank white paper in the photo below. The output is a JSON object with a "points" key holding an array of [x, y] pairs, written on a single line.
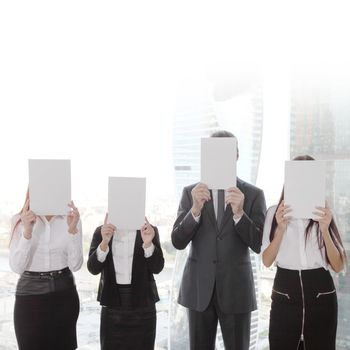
{"points": [[305, 187], [49, 186], [218, 162], [126, 202]]}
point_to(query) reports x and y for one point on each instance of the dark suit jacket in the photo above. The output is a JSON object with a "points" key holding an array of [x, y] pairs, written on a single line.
{"points": [[143, 286], [220, 256]]}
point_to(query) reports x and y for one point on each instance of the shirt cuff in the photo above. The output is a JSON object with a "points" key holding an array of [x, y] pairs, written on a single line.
{"points": [[101, 255], [237, 219], [196, 218], [148, 251], [75, 237]]}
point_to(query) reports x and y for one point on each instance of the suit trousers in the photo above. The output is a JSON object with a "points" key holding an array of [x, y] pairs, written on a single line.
{"points": [[235, 328]]}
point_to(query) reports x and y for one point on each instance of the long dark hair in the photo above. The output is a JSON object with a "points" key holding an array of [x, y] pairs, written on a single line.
{"points": [[333, 229]]}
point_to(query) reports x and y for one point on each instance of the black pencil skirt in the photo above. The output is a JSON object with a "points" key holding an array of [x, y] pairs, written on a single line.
{"points": [[126, 327], [47, 321], [304, 310]]}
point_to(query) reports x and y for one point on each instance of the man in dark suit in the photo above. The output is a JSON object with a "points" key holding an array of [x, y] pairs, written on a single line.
{"points": [[217, 282]]}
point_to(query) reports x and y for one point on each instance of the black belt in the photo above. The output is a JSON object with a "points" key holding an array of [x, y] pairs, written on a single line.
{"points": [[34, 283], [48, 273]]}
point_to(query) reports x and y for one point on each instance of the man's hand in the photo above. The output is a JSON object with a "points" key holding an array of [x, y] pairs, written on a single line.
{"points": [[235, 198], [200, 195]]}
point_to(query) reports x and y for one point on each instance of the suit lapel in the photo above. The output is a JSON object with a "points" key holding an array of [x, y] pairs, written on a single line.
{"points": [[138, 255], [111, 262]]}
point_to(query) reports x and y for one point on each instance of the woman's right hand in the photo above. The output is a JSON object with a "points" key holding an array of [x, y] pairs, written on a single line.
{"points": [[107, 232], [28, 219], [281, 216]]}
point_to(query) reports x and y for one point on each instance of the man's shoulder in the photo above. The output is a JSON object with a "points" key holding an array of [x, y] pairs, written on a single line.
{"points": [[189, 188], [247, 187]]}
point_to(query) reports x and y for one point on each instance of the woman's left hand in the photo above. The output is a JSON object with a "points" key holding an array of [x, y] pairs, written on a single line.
{"points": [[147, 234], [73, 217], [324, 217]]}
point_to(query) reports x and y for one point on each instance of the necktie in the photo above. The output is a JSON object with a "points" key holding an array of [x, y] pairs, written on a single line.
{"points": [[221, 207]]}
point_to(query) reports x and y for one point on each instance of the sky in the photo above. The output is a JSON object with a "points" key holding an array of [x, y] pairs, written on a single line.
{"points": [[96, 82]]}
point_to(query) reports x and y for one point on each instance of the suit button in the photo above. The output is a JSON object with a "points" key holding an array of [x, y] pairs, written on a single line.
{"points": [[218, 238], [214, 261]]}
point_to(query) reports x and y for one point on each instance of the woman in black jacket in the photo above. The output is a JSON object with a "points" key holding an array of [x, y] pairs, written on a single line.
{"points": [[127, 292]]}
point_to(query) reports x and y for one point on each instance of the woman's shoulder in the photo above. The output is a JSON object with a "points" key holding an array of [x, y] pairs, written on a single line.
{"points": [[272, 209], [15, 218]]}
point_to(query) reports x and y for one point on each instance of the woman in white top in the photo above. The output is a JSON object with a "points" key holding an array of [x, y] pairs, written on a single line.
{"points": [[304, 301], [44, 250]]}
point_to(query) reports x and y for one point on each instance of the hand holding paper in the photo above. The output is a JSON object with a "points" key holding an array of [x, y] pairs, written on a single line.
{"points": [[324, 217], [147, 234], [107, 232], [28, 219], [281, 216], [235, 198], [200, 194], [73, 217]]}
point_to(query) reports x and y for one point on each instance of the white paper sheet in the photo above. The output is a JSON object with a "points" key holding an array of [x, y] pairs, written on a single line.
{"points": [[49, 186], [305, 187], [126, 202], [218, 162]]}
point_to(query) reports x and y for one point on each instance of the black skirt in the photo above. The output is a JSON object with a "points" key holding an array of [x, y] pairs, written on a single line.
{"points": [[127, 327], [47, 321], [304, 310]]}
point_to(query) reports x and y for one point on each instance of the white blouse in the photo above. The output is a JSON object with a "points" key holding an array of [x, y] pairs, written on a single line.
{"points": [[293, 254], [123, 245], [51, 247]]}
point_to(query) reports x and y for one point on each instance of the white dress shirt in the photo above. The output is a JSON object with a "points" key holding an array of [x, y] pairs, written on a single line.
{"points": [[293, 254], [215, 204], [123, 245], [51, 247]]}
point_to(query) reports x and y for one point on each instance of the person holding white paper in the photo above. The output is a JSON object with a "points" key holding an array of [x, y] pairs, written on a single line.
{"points": [[217, 282], [304, 301], [45, 250], [126, 260]]}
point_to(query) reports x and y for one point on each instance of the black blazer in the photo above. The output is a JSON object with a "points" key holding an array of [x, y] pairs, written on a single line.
{"points": [[219, 256], [143, 286]]}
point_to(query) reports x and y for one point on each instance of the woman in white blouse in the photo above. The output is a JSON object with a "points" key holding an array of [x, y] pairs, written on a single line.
{"points": [[304, 301], [44, 250]]}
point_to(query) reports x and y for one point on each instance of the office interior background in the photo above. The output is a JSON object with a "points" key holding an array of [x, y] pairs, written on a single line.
{"points": [[129, 90]]}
